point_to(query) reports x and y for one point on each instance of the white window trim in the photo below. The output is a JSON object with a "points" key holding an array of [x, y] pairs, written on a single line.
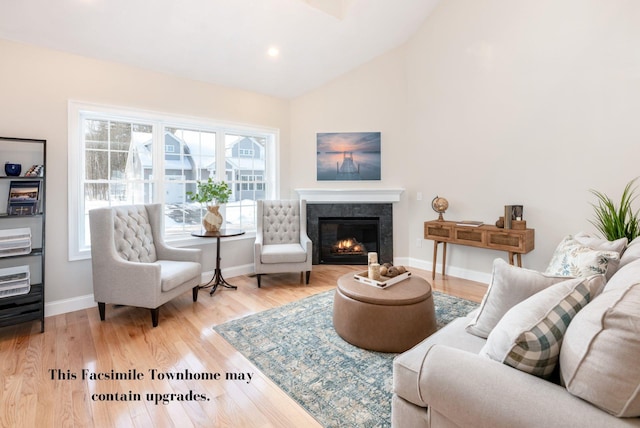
{"points": [[75, 157]]}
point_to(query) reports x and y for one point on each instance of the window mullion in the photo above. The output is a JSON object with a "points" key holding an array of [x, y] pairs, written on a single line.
{"points": [[157, 179]]}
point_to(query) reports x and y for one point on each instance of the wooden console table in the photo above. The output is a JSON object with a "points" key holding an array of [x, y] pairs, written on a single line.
{"points": [[514, 241]]}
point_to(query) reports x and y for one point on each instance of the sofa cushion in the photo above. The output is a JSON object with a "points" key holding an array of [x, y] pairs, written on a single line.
{"points": [[571, 258], [599, 356], [596, 243], [509, 286], [408, 365], [631, 253], [529, 335], [625, 276]]}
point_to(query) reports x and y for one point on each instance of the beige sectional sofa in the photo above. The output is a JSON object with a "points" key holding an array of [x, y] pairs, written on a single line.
{"points": [[458, 378]]}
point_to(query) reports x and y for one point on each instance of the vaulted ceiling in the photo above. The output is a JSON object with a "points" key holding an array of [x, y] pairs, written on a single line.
{"points": [[224, 42]]}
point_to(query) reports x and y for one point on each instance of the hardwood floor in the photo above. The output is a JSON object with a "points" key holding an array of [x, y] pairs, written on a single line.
{"points": [[41, 374]]}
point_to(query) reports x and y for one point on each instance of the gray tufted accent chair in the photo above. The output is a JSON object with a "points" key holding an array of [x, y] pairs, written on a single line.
{"points": [[282, 244], [131, 263]]}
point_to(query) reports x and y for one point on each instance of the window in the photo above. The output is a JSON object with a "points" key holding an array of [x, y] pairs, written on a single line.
{"points": [[122, 157]]}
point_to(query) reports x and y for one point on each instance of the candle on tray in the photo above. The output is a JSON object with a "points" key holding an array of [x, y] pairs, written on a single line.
{"points": [[374, 271], [373, 258]]}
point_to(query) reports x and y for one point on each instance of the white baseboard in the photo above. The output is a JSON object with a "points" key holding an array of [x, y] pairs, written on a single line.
{"points": [[64, 306], [471, 275]]}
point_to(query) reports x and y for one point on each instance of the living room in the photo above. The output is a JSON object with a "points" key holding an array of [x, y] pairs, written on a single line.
{"points": [[487, 103]]}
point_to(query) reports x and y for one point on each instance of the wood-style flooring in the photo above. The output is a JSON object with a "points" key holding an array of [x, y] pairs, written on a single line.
{"points": [[41, 374]]}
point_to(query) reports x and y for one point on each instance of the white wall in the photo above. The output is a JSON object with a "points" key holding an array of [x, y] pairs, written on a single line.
{"points": [[372, 98], [35, 86], [507, 102]]}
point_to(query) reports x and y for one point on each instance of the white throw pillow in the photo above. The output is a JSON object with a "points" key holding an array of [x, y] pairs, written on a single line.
{"points": [[529, 335], [574, 259], [631, 253], [599, 356], [596, 243], [509, 286]]}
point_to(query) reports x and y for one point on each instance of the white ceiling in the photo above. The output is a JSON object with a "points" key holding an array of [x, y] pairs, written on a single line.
{"points": [[222, 41]]}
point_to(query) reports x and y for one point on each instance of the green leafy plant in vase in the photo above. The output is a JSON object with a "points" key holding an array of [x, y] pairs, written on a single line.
{"points": [[212, 194], [616, 222]]}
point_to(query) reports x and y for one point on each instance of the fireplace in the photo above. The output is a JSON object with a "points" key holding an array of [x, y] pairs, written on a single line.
{"points": [[345, 240], [344, 233]]}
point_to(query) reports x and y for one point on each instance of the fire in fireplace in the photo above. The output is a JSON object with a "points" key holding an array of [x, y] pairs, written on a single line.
{"points": [[348, 240], [348, 246]]}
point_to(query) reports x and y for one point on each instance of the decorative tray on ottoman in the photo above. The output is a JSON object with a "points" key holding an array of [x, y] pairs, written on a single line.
{"points": [[364, 278]]}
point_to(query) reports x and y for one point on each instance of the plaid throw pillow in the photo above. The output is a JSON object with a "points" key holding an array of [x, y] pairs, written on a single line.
{"points": [[536, 351]]}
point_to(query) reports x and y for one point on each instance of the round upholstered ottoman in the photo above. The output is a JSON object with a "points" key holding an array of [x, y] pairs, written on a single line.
{"points": [[391, 319]]}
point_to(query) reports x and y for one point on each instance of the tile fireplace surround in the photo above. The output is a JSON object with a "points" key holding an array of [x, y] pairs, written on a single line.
{"points": [[351, 203]]}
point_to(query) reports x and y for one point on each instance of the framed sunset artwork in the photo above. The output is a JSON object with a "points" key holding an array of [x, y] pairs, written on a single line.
{"points": [[348, 156]]}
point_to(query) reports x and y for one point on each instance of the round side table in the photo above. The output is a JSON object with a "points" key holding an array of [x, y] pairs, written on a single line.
{"points": [[218, 279]]}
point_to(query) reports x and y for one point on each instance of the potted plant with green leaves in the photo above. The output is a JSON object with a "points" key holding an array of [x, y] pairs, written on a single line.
{"points": [[616, 222], [212, 194]]}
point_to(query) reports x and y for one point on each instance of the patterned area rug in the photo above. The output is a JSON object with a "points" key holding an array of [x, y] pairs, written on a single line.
{"points": [[341, 385]]}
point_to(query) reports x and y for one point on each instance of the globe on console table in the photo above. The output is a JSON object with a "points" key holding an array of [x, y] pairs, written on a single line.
{"points": [[440, 205]]}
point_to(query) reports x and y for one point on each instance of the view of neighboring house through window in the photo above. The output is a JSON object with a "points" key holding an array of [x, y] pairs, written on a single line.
{"points": [[128, 158]]}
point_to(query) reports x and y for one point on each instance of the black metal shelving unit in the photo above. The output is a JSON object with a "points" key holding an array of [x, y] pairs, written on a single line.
{"points": [[30, 306]]}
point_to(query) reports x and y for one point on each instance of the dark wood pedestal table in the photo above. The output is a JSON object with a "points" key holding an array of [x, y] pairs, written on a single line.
{"points": [[217, 278]]}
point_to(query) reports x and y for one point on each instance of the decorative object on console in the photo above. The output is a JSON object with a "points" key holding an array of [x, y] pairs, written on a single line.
{"points": [[616, 222], [12, 169], [213, 194], [440, 206], [511, 213], [518, 224], [348, 156], [500, 222]]}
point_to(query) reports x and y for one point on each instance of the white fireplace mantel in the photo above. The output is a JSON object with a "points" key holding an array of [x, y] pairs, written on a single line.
{"points": [[317, 196]]}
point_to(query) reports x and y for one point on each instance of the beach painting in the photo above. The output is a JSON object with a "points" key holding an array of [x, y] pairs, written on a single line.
{"points": [[348, 156]]}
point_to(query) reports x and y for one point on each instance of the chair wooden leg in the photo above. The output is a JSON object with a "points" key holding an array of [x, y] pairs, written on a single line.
{"points": [[258, 276], [308, 276], [154, 316], [101, 309], [195, 293]]}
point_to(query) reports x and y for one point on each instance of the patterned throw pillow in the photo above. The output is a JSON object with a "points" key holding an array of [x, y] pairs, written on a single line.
{"points": [[574, 259], [530, 334]]}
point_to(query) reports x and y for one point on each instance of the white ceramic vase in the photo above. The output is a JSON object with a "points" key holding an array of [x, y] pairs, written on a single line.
{"points": [[212, 220]]}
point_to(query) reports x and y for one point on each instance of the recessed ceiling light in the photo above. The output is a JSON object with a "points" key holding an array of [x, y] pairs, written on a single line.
{"points": [[273, 52]]}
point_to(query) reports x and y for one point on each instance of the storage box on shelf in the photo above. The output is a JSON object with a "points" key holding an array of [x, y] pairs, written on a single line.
{"points": [[22, 237], [15, 242], [14, 281]]}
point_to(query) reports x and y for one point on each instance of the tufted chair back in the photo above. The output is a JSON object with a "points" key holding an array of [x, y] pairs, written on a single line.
{"points": [[281, 222], [282, 243], [133, 237], [132, 265]]}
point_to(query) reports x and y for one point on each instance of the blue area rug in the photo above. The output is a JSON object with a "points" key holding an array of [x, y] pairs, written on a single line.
{"points": [[341, 385]]}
